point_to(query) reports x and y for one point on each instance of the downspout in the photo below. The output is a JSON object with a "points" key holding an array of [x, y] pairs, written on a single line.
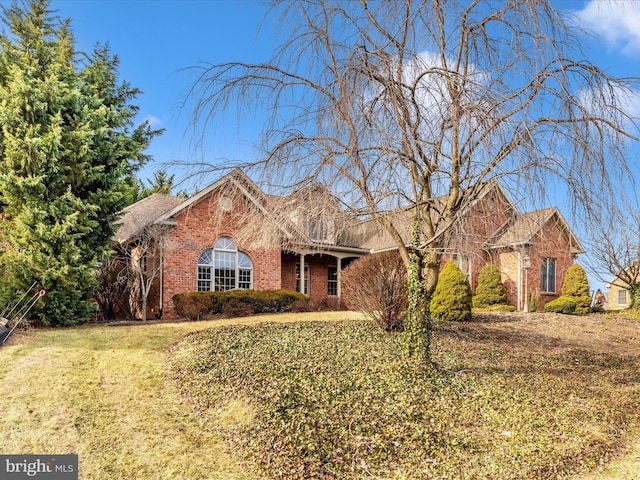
{"points": [[519, 281], [161, 296]]}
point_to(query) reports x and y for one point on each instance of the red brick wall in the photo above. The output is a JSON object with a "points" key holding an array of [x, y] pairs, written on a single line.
{"points": [[470, 236], [197, 229], [318, 271], [288, 271], [550, 242], [203, 223]]}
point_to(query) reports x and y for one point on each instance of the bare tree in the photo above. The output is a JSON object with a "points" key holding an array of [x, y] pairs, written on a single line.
{"points": [[393, 104], [112, 291], [614, 244], [144, 259]]}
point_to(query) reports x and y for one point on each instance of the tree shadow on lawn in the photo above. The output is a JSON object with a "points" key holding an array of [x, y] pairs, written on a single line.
{"points": [[546, 332], [590, 347]]}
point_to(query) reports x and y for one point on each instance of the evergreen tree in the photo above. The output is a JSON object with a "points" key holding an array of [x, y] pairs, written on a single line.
{"points": [[576, 286], [490, 289], [68, 153], [161, 183], [451, 300]]}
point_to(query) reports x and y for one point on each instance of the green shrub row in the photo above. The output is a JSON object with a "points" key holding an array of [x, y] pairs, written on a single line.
{"points": [[196, 305]]}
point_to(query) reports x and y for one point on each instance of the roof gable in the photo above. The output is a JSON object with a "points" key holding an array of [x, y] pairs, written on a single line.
{"points": [[279, 213], [370, 235], [523, 228], [237, 179]]}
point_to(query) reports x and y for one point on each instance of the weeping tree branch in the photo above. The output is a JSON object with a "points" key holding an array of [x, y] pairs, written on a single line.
{"points": [[399, 104]]}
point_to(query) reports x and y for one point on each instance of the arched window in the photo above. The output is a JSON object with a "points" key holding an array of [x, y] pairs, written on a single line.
{"points": [[223, 267]]}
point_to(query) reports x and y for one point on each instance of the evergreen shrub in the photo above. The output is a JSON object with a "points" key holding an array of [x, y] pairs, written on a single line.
{"points": [[490, 290], [576, 286], [563, 304], [451, 300]]}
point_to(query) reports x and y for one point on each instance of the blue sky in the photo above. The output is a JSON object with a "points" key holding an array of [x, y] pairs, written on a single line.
{"points": [[156, 39]]}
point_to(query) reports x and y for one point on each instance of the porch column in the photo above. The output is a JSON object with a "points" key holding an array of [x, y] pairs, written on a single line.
{"points": [[519, 282], [302, 279], [339, 273]]}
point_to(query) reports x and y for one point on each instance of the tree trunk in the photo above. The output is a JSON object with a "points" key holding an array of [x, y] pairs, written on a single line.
{"points": [[144, 308], [422, 280]]}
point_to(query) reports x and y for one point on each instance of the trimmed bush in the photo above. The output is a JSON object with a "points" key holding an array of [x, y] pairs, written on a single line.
{"points": [[451, 300], [576, 286], [563, 304], [193, 305], [196, 305], [377, 286], [490, 290], [236, 308]]}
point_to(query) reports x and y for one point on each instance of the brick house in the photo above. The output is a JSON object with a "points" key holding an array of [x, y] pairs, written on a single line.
{"points": [[231, 235]]}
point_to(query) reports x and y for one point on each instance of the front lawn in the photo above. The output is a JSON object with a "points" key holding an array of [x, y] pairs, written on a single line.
{"points": [[538, 393], [538, 396], [102, 392]]}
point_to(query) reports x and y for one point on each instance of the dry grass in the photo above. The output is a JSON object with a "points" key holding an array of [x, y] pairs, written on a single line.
{"points": [[102, 392], [614, 333]]}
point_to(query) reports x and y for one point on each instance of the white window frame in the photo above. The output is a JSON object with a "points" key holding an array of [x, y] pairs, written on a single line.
{"points": [[224, 267], [622, 297], [545, 275]]}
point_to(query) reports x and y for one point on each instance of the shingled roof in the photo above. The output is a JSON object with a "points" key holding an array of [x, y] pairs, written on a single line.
{"points": [[142, 213], [522, 229], [370, 235], [365, 235]]}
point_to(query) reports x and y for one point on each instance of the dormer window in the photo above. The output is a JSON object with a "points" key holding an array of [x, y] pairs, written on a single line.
{"points": [[320, 230]]}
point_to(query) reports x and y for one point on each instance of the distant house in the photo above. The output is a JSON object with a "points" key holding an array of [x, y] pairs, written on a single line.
{"points": [[618, 296], [232, 235]]}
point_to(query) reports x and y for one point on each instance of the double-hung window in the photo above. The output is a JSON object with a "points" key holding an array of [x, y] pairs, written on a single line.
{"points": [[622, 297], [548, 275], [332, 281], [223, 267]]}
